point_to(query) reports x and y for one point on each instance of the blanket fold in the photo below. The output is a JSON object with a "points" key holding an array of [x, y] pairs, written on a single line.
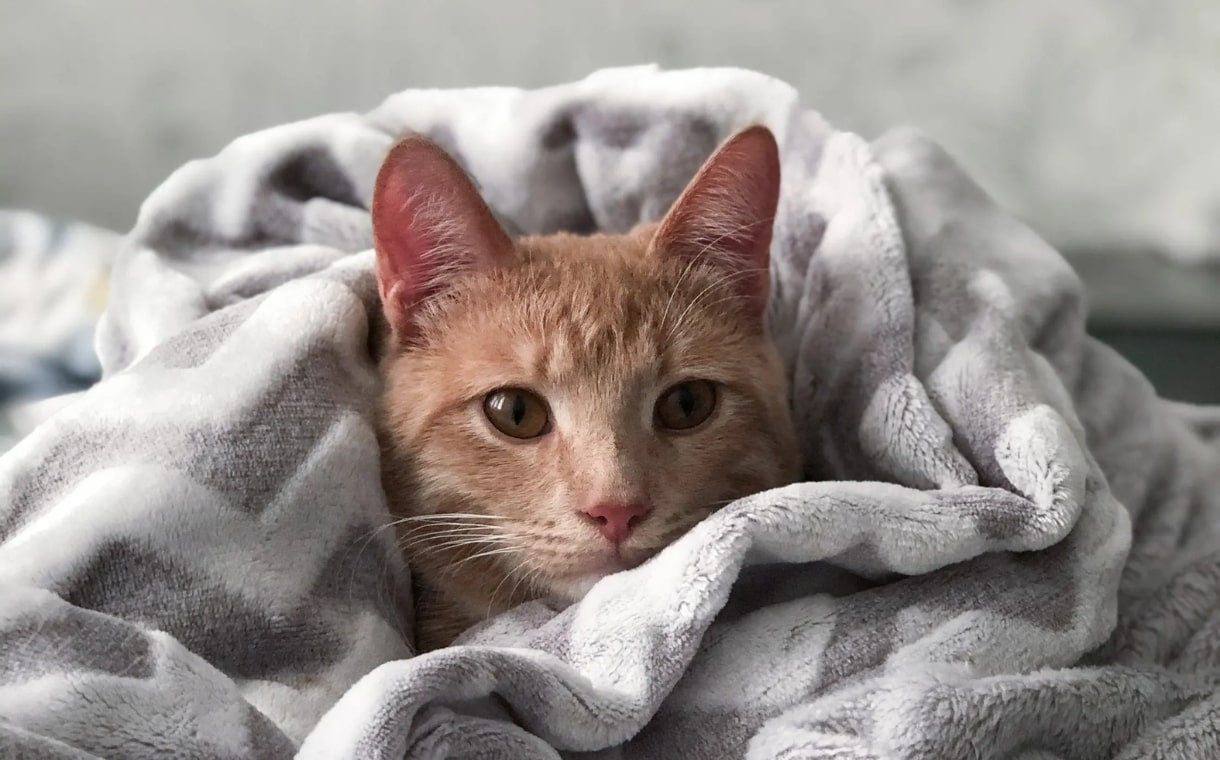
{"points": [[1007, 546]]}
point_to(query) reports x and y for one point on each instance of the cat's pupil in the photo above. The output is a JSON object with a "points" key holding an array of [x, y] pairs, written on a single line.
{"points": [[516, 413], [686, 400], [685, 405]]}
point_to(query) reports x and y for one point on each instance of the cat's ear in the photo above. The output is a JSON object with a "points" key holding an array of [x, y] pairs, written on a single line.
{"points": [[430, 225], [724, 216]]}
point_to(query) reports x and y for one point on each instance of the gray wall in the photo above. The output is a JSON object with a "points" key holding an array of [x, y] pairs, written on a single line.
{"points": [[1095, 119]]}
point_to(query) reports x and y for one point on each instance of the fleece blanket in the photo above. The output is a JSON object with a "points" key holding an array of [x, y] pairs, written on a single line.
{"points": [[1006, 545], [53, 283]]}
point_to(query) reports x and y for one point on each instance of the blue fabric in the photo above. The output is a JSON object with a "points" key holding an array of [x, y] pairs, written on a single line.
{"points": [[53, 280]]}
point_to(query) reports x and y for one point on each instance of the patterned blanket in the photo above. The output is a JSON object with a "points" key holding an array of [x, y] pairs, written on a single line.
{"points": [[1007, 545]]}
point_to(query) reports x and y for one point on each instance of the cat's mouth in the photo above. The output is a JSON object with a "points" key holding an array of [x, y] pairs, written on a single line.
{"points": [[624, 559]]}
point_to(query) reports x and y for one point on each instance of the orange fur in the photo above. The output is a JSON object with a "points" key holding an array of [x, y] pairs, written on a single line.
{"points": [[599, 326]]}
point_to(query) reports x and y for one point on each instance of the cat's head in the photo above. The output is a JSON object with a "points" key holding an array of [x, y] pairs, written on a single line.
{"points": [[560, 407]]}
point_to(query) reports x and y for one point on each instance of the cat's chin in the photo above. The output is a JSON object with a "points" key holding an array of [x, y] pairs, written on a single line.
{"points": [[573, 589], [574, 586]]}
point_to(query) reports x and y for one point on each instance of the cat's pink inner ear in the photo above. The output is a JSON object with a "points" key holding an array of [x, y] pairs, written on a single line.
{"points": [[430, 226], [724, 216]]}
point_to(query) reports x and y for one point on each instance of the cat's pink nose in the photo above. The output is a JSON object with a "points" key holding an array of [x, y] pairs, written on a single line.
{"points": [[616, 520]]}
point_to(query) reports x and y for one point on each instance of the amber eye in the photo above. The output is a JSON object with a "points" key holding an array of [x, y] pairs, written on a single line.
{"points": [[686, 405], [517, 413]]}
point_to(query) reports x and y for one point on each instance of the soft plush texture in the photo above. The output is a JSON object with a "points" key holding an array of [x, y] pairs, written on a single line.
{"points": [[1007, 547]]}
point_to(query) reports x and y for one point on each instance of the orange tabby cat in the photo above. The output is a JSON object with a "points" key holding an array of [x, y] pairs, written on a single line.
{"points": [[558, 408]]}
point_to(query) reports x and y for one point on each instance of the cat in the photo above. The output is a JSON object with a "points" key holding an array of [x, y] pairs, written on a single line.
{"points": [[560, 407]]}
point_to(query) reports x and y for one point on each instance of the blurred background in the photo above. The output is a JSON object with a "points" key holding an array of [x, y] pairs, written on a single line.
{"points": [[1096, 121]]}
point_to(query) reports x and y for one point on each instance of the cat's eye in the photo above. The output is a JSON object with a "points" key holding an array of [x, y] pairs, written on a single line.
{"points": [[517, 413], [686, 405]]}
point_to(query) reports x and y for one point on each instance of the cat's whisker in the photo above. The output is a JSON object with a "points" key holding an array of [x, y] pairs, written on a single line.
{"points": [[459, 536], [444, 541], [451, 545], [410, 530], [459, 523], [456, 543], [430, 520], [367, 537], [425, 524], [452, 569], [444, 528], [532, 580], [496, 592], [471, 525], [489, 553], [528, 575], [484, 555], [450, 529], [453, 516], [523, 580], [491, 600]]}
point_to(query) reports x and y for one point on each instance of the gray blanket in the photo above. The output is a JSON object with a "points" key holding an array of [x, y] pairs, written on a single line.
{"points": [[1007, 546]]}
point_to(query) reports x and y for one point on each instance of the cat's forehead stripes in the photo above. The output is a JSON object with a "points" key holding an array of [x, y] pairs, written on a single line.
{"points": [[592, 312]]}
